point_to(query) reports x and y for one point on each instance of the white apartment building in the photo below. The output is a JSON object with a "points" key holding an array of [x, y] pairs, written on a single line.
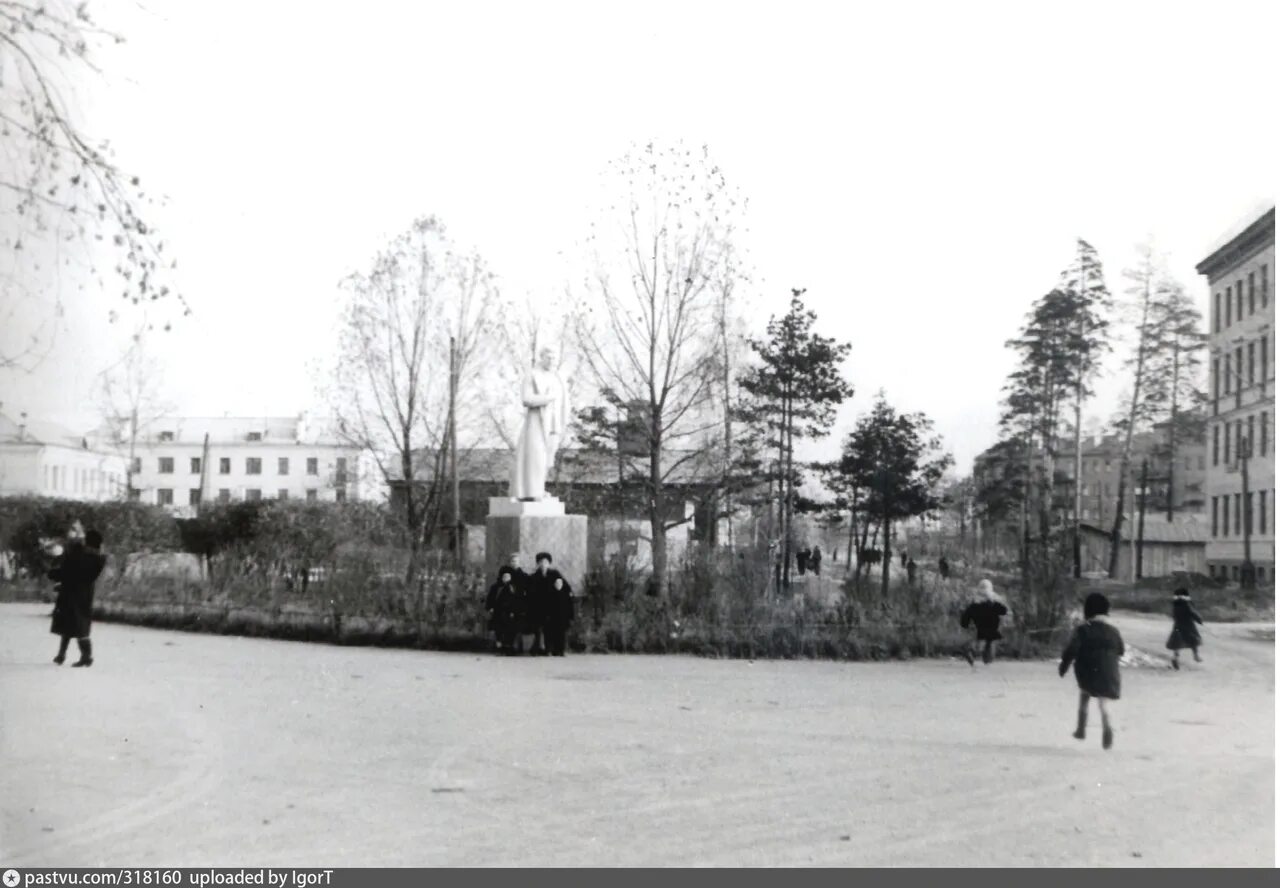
{"points": [[44, 459], [185, 460], [1240, 481]]}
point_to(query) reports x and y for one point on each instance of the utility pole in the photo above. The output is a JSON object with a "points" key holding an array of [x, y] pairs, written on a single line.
{"points": [[453, 450], [1142, 518], [204, 473], [1246, 570]]}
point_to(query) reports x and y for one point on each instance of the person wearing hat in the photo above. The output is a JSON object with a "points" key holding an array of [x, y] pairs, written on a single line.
{"points": [[1184, 634], [77, 570], [984, 615], [1096, 648]]}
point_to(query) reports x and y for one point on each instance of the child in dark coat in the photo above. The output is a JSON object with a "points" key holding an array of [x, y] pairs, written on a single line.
{"points": [[984, 615], [76, 572], [1096, 648], [1185, 633]]}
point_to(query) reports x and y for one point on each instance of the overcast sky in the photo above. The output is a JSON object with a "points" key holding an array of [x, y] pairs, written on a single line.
{"points": [[923, 169]]}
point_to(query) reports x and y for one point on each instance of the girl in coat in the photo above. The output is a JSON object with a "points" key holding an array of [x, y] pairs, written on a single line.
{"points": [[1096, 648], [984, 615], [1185, 633]]}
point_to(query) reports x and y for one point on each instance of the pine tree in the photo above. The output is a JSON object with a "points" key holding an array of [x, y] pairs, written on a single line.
{"points": [[795, 390], [1090, 301]]}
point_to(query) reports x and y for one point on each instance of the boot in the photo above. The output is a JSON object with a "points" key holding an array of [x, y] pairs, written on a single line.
{"points": [[1081, 718], [62, 650], [86, 653], [1106, 736]]}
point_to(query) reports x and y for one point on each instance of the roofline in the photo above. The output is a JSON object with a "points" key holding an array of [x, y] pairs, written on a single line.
{"points": [[1258, 234]]}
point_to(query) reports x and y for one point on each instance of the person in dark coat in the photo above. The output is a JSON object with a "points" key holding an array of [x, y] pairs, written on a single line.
{"points": [[815, 560], [76, 572], [802, 561], [903, 556], [550, 587], [944, 567], [911, 571], [511, 609], [1096, 648], [984, 615], [1184, 634]]}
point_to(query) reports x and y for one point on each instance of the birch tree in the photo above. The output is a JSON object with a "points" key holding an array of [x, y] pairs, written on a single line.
{"points": [[65, 204], [647, 327], [408, 340]]}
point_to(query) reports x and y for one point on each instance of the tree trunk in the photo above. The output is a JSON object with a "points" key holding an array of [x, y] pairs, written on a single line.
{"points": [[1113, 560], [1142, 520], [884, 561], [1126, 457], [411, 517], [1173, 428], [657, 521], [853, 528]]}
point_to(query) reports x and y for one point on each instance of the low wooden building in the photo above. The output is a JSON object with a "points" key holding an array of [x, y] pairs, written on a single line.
{"points": [[1168, 547]]}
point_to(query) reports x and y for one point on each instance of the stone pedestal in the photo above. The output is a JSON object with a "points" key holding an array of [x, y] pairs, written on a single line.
{"points": [[533, 527]]}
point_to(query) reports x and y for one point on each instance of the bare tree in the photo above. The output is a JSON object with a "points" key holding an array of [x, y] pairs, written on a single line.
{"points": [[63, 201], [402, 381], [131, 403], [647, 332]]}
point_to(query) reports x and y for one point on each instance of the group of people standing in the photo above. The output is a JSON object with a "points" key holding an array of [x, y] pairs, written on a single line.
{"points": [[530, 612]]}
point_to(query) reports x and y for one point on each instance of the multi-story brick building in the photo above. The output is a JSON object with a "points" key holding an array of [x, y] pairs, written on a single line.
{"points": [[245, 458], [1240, 438]]}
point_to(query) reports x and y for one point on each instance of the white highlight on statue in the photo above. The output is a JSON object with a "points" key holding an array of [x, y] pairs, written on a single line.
{"points": [[545, 420]]}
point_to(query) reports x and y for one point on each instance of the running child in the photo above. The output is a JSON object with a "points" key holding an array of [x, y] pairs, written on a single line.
{"points": [[984, 615], [1096, 648], [1184, 634]]}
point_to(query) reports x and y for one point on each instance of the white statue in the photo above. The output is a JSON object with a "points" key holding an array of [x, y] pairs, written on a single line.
{"points": [[545, 420]]}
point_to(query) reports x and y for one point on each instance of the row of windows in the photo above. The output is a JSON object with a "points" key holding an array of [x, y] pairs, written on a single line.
{"points": [[1234, 514], [164, 495], [1257, 298], [79, 480], [1220, 571], [1243, 436], [1243, 373], [252, 465]]}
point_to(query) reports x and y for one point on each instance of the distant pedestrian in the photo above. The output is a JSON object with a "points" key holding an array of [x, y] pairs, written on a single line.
{"points": [[1096, 648], [1184, 634], [984, 614], [802, 560], [944, 567], [815, 560], [76, 572], [911, 571], [904, 557]]}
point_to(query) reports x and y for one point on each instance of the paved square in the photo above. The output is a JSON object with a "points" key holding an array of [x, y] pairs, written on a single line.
{"points": [[195, 750]]}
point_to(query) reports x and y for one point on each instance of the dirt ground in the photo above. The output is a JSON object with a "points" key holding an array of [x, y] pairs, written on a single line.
{"points": [[195, 750]]}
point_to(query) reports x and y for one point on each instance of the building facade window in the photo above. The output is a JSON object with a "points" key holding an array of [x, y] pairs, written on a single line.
{"points": [[1217, 385], [1239, 372], [340, 495], [1251, 308], [166, 436], [136, 465], [224, 465], [313, 466], [193, 496], [1226, 515], [1217, 312], [195, 465], [1262, 511], [1249, 376], [1226, 444], [166, 465], [282, 494], [1239, 300], [1263, 353], [253, 465], [341, 471], [164, 496], [1262, 432], [1264, 286], [1213, 518], [224, 495], [1226, 373], [1237, 511], [254, 436], [253, 494], [282, 465], [312, 495], [1239, 439]]}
